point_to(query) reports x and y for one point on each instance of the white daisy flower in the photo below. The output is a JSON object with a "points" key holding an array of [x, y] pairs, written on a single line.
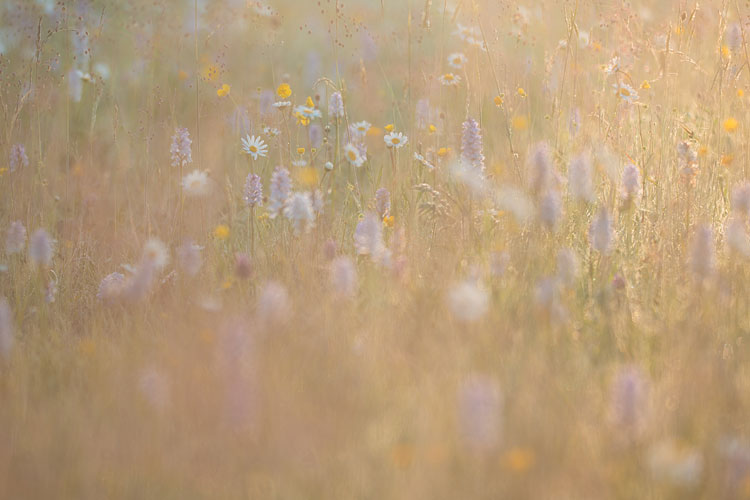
{"points": [[361, 128], [195, 183], [456, 60], [395, 140], [450, 80], [308, 111], [467, 33], [271, 131], [155, 253], [352, 154], [625, 92], [470, 35], [613, 66], [254, 146]]}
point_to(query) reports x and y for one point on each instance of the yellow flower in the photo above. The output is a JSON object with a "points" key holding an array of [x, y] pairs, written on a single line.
{"points": [[731, 124], [702, 151], [402, 455], [726, 53], [388, 127], [308, 176], [443, 152], [645, 85], [727, 160], [521, 92], [207, 335], [432, 128], [302, 119], [284, 90], [87, 346], [498, 100], [309, 102], [210, 72], [223, 91], [374, 132], [221, 232], [437, 453], [740, 93], [300, 151], [519, 459], [388, 221], [520, 122]]}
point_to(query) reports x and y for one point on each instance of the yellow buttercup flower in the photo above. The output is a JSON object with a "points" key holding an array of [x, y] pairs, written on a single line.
{"points": [[300, 151], [731, 124], [284, 90], [87, 346], [221, 232], [498, 100], [645, 85], [521, 92], [223, 91], [388, 221], [389, 127], [519, 459], [432, 128], [308, 176], [402, 455], [443, 152], [520, 122]]}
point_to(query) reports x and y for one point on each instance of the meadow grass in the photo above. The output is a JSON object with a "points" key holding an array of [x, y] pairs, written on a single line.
{"points": [[374, 249]]}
